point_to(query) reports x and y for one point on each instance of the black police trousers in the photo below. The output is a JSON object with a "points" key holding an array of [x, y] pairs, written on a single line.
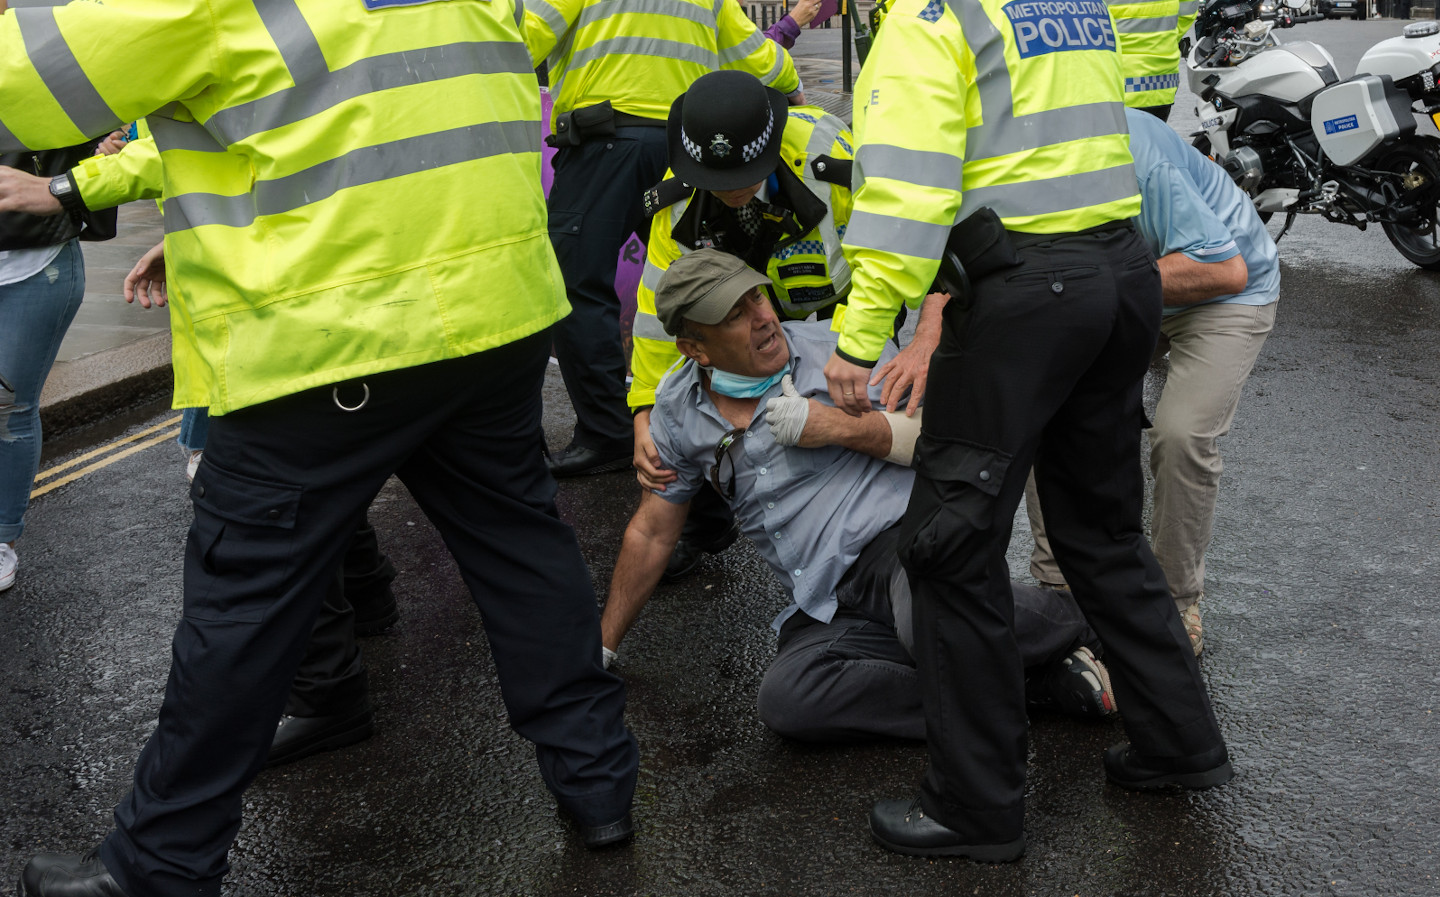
{"points": [[331, 680], [282, 490], [1043, 363], [596, 203]]}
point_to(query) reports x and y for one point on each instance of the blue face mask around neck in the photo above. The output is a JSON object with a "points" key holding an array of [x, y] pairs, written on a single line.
{"points": [[739, 386]]}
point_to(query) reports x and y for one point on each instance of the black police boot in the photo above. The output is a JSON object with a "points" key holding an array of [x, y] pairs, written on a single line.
{"points": [[68, 875], [1126, 767], [579, 461], [608, 834], [903, 826], [298, 737]]}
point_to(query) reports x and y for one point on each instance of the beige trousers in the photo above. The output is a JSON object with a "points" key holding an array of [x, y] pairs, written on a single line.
{"points": [[1212, 351]]}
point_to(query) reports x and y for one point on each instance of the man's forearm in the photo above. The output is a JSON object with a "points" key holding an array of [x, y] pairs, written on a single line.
{"points": [[643, 555], [826, 425], [1186, 281]]}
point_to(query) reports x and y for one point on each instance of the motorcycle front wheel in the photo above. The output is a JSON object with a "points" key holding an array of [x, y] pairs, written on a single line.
{"points": [[1418, 165]]}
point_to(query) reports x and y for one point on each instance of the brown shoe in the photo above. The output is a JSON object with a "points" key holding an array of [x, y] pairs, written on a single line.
{"points": [[1190, 616]]}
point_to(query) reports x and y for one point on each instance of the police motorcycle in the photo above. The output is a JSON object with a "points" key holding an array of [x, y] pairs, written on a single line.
{"points": [[1290, 9], [1300, 140]]}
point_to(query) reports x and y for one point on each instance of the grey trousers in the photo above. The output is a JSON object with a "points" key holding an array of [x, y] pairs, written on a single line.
{"points": [[854, 678]]}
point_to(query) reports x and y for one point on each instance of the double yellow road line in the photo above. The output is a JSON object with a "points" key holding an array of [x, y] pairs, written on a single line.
{"points": [[105, 456]]}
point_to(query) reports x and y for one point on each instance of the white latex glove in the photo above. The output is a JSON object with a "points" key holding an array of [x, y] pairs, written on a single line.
{"points": [[786, 413], [609, 656]]}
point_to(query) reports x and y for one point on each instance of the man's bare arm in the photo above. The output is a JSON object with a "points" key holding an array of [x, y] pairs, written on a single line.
{"points": [[1186, 281], [649, 540], [827, 425]]}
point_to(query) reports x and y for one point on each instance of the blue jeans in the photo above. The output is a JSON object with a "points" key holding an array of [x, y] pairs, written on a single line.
{"points": [[34, 315], [194, 428]]}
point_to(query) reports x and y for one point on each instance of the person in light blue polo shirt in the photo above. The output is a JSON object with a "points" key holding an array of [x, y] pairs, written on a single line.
{"points": [[1221, 277]]}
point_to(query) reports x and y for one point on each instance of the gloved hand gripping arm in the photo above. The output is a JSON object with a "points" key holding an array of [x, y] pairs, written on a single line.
{"points": [[809, 423]]}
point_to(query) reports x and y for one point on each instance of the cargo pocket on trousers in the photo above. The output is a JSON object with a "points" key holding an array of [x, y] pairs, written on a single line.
{"points": [[243, 539], [953, 499], [565, 223]]}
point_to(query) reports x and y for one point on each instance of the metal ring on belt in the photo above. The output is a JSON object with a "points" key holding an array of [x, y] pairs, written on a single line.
{"points": [[364, 399]]}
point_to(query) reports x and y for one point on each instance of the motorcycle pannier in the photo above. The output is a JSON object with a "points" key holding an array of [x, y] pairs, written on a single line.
{"points": [[1352, 118]]}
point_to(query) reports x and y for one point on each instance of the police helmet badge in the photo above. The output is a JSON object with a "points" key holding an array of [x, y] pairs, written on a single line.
{"points": [[719, 146]]}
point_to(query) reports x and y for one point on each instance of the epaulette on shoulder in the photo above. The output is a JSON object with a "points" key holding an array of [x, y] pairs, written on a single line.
{"points": [[666, 194], [832, 171]]}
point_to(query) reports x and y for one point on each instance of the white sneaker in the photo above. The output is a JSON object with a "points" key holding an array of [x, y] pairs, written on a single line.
{"points": [[8, 565], [193, 465]]}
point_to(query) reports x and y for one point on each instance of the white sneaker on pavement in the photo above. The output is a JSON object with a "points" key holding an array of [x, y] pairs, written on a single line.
{"points": [[8, 565]]}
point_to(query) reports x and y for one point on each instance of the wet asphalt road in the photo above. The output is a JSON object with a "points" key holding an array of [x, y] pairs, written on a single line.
{"points": [[1320, 643]]}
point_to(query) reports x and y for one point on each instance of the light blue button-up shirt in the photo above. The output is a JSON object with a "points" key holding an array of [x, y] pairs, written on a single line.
{"points": [[809, 511], [1189, 204]]}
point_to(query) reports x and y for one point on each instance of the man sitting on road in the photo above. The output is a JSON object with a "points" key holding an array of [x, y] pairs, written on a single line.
{"points": [[819, 493]]}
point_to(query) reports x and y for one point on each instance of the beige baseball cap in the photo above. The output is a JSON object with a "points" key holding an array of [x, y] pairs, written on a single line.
{"points": [[703, 286]]}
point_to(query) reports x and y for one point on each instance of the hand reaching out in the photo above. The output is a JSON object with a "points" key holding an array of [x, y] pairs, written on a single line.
{"points": [[146, 281]]}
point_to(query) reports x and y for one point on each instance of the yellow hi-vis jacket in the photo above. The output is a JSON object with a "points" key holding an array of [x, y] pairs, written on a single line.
{"points": [[978, 103], [806, 267], [1149, 35], [1189, 9], [349, 188], [136, 172], [642, 54]]}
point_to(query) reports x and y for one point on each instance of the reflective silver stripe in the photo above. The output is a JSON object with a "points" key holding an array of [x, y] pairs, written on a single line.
{"points": [[645, 46], [62, 74], [677, 211], [742, 50], [182, 135], [919, 167], [719, 5], [822, 140], [1189, 8], [558, 59], [293, 37], [552, 18], [678, 9], [901, 236], [648, 326], [189, 210], [1024, 132], [370, 75], [1147, 26], [367, 165], [776, 70], [1004, 132], [650, 275], [520, 16], [1058, 194]]}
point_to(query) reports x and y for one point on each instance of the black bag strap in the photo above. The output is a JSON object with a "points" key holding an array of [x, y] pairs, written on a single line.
{"points": [[666, 194], [832, 170]]}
